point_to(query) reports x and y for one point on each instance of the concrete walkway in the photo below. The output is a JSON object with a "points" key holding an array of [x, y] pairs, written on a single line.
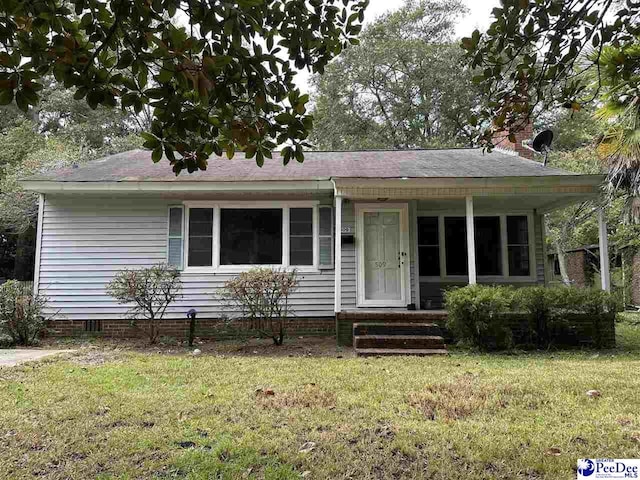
{"points": [[11, 357]]}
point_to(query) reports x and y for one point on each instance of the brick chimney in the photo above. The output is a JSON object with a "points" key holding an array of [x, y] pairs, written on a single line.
{"points": [[501, 141]]}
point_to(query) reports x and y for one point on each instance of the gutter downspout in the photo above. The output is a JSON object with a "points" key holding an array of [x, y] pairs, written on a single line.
{"points": [[337, 294]]}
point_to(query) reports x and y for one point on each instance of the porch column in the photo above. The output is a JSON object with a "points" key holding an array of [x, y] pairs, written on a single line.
{"points": [[338, 257], [471, 243], [605, 278]]}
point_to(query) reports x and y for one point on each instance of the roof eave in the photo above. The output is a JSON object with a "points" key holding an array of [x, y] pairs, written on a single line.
{"points": [[49, 186]]}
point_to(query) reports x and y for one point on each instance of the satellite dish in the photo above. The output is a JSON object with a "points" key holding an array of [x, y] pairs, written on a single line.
{"points": [[541, 143]]}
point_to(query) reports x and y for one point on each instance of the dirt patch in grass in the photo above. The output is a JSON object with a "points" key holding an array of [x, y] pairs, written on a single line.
{"points": [[96, 351], [93, 356], [463, 397], [308, 396]]}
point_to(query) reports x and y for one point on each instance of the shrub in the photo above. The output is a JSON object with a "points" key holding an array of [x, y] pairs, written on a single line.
{"points": [[490, 317], [151, 290], [543, 305], [262, 296], [21, 316], [475, 315]]}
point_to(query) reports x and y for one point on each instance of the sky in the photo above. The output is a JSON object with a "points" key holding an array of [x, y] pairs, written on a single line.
{"points": [[479, 17]]}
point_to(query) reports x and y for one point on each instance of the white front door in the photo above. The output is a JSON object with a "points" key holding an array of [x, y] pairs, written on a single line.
{"points": [[383, 258]]}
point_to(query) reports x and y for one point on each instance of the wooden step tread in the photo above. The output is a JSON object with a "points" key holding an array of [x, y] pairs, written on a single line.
{"points": [[393, 324], [399, 337], [400, 351]]}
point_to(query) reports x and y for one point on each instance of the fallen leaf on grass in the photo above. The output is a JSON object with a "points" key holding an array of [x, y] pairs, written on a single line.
{"points": [[594, 393], [307, 447], [186, 444], [553, 451]]}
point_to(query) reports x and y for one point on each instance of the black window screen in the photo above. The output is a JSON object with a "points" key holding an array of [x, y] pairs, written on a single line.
{"points": [[250, 236]]}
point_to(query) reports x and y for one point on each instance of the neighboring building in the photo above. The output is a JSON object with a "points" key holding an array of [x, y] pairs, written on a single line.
{"points": [[583, 270], [368, 229]]}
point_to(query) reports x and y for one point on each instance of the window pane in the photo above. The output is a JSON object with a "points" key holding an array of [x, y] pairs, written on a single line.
{"points": [[251, 236], [175, 252], [519, 261], [488, 245], [301, 236], [428, 231], [517, 230], [455, 233], [302, 243], [301, 257], [175, 222], [200, 237], [429, 261], [326, 222], [326, 250]]}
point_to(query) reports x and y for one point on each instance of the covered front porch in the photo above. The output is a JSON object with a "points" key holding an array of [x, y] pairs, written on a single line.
{"points": [[402, 242]]}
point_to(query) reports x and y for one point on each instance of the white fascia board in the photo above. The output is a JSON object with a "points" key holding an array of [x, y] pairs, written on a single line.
{"points": [[550, 180], [113, 187]]}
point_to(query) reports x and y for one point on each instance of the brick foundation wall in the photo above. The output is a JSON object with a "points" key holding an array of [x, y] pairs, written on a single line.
{"points": [[179, 328]]}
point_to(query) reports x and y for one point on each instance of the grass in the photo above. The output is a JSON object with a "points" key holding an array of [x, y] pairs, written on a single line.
{"points": [[147, 415]]}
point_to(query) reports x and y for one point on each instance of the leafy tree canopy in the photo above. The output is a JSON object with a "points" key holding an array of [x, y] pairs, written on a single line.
{"points": [[546, 53], [403, 86], [222, 82]]}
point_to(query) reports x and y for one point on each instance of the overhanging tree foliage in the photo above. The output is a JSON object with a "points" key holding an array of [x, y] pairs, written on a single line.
{"points": [[221, 82], [545, 53]]}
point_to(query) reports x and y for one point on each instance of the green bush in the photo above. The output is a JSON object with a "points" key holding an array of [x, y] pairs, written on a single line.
{"points": [[21, 316], [544, 306], [475, 315], [491, 317]]}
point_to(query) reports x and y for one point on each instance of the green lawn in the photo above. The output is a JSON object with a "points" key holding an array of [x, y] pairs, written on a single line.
{"points": [[150, 415]]}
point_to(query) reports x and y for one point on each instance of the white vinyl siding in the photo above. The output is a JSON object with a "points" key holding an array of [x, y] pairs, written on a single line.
{"points": [[86, 240]]}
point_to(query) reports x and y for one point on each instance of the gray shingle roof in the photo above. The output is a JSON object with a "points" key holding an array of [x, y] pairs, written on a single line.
{"points": [[136, 165]]}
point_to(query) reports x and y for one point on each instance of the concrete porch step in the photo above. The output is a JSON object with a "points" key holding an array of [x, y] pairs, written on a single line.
{"points": [[395, 328], [368, 352], [414, 342]]}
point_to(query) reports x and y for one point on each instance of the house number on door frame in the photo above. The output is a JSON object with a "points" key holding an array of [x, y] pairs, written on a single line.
{"points": [[380, 264]]}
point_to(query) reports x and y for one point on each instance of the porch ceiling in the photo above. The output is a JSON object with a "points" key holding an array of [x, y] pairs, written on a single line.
{"points": [[506, 203], [489, 194]]}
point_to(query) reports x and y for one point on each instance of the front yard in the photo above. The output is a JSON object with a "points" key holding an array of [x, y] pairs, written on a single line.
{"points": [[112, 413]]}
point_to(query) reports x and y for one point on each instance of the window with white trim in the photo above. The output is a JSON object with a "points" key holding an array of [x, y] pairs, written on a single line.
{"points": [[491, 246], [429, 246], [488, 246], [200, 237], [325, 234], [175, 241], [518, 246], [229, 235], [301, 236]]}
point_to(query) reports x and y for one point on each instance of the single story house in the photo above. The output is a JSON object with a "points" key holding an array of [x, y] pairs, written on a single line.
{"points": [[366, 230]]}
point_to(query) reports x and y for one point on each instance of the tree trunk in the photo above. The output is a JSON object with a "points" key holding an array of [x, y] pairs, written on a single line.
{"points": [[562, 261]]}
